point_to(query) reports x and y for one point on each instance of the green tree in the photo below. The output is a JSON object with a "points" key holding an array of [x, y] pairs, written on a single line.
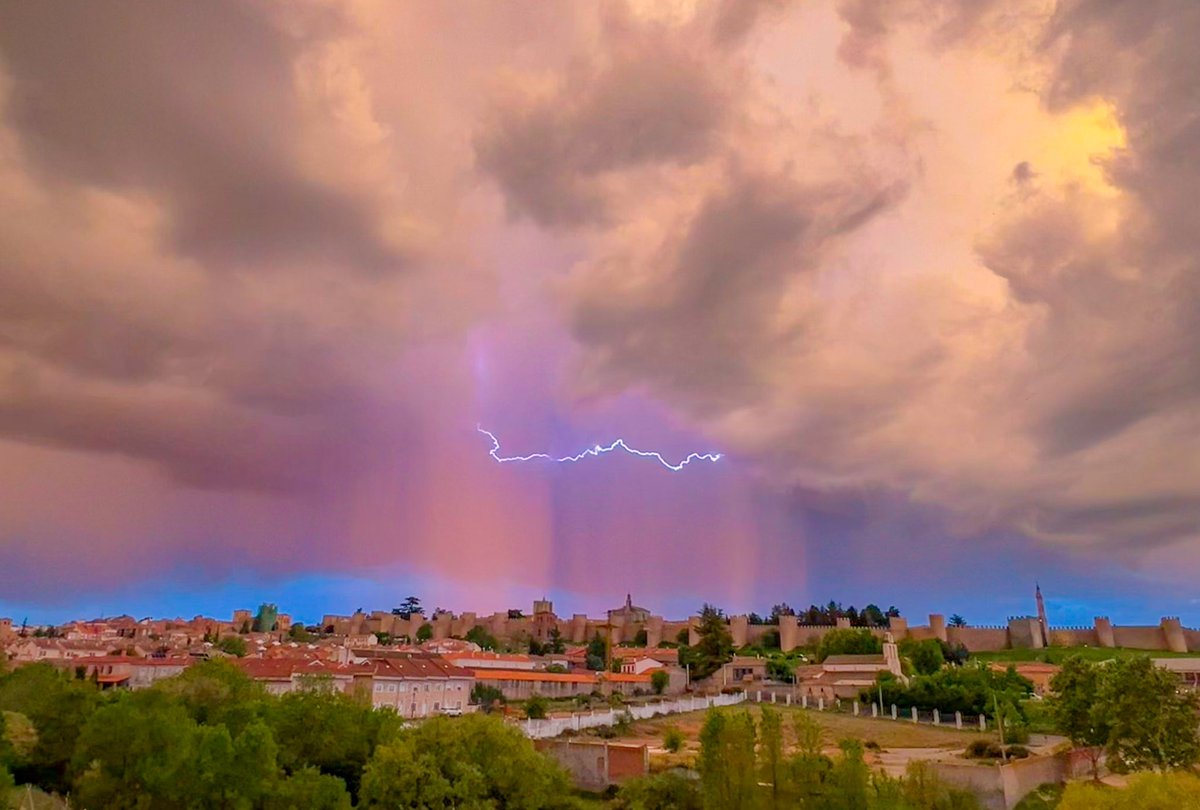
{"points": [[849, 642], [808, 767], [143, 745], [7, 783], [58, 707], [957, 621], [597, 653], [478, 635], [408, 608], [472, 761], [1076, 710], [308, 789], [673, 739], [714, 648], [1152, 724], [216, 692], [926, 656], [727, 761], [233, 645], [671, 790], [535, 707], [487, 696], [331, 731], [556, 645], [425, 632], [659, 681], [771, 757], [1147, 791]]}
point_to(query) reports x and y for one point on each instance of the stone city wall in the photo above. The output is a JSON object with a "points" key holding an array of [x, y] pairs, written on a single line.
{"points": [[1019, 632]]}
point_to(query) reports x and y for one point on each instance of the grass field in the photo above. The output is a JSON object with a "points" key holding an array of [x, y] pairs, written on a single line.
{"points": [[835, 727], [1056, 655]]}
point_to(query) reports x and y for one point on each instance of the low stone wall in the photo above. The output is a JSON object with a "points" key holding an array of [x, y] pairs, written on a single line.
{"points": [[1000, 787], [596, 765]]}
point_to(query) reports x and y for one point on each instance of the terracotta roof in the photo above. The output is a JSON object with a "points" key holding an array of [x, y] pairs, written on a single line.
{"points": [[855, 659], [527, 675], [484, 655], [418, 666], [627, 677]]}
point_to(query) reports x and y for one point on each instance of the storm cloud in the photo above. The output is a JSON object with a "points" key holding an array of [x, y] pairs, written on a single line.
{"points": [[265, 267]]}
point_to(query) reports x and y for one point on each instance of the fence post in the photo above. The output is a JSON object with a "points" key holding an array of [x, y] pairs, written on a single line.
{"points": [[856, 708], [787, 699], [804, 701], [773, 697], [958, 720], [894, 711], [874, 709], [982, 723], [914, 714], [820, 704], [937, 718]]}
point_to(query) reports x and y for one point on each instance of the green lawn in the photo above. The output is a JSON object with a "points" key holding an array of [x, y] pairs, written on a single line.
{"points": [[1056, 655]]}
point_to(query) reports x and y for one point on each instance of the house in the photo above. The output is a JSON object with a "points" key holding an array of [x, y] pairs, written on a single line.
{"points": [[280, 676], [420, 686], [1038, 673], [125, 672], [520, 684], [492, 660], [1186, 669], [641, 664], [741, 669], [846, 676]]}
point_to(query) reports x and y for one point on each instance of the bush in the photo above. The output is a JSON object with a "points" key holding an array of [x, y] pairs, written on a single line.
{"points": [[1017, 752], [671, 790], [659, 680], [848, 642], [535, 707], [489, 697], [673, 739], [984, 749]]}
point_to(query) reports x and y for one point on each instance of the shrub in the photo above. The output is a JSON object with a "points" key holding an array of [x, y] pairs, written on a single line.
{"points": [[673, 739], [665, 791], [489, 697], [984, 749], [1017, 752], [535, 707], [659, 681]]}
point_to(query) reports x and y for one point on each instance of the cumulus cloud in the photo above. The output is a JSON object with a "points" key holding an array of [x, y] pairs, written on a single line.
{"points": [[210, 261], [807, 312]]}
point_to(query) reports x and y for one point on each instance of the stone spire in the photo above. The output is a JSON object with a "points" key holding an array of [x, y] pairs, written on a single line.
{"points": [[1041, 609]]}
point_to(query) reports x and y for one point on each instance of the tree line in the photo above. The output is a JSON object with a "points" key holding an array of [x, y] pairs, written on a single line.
{"points": [[767, 764], [213, 738]]}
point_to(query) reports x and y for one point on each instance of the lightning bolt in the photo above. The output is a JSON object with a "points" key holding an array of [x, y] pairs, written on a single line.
{"points": [[598, 450]]}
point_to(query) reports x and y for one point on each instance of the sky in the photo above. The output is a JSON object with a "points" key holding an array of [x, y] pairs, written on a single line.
{"points": [[926, 273]]}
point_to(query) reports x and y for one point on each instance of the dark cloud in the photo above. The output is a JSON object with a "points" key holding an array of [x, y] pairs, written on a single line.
{"points": [[702, 328], [197, 106], [650, 96]]}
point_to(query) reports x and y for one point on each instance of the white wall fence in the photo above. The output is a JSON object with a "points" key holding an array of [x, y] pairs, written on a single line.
{"points": [[553, 726], [933, 718]]}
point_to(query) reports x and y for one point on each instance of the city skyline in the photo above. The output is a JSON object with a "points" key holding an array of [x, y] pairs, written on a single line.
{"points": [[923, 274]]}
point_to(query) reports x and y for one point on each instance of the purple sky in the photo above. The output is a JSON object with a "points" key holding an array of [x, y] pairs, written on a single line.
{"points": [[926, 272]]}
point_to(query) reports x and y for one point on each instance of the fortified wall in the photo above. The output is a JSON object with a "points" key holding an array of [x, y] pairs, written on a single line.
{"points": [[626, 624]]}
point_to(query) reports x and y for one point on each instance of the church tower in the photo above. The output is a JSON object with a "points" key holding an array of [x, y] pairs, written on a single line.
{"points": [[1041, 608]]}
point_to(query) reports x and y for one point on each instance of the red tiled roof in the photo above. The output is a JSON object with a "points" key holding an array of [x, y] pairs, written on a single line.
{"points": [[488, 674], [627, 677], [418, 666]]}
